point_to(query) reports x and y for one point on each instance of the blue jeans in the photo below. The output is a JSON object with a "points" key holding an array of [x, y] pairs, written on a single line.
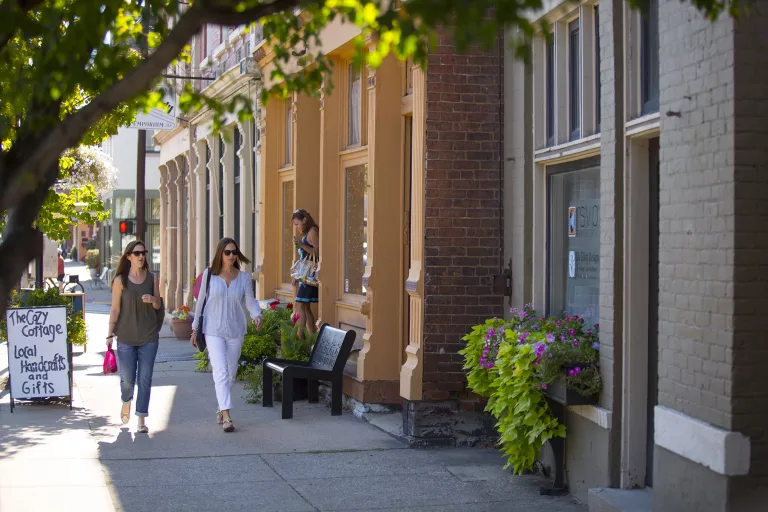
{"points": [[135, 365]]}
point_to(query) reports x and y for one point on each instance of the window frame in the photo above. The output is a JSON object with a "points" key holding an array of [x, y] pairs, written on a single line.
{"points": [[287, 133], [550, 88], [648, 28], [222, 150], [575, 78], [346, 144], [284, 178], [581, 164], [346, 163], [237, 144]]}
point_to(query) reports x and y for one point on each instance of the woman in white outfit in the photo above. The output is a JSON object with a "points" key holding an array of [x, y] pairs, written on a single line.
{"points": [[224, 323]]}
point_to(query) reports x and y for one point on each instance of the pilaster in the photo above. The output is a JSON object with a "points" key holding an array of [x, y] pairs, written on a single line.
{"points": [[267, 260], [163, 231], [380, 356], [328, 213], [200, 171], [181, 279], [171, 230], [411, 374]]}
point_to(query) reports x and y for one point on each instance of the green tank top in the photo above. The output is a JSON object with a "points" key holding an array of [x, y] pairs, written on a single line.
{"points": [[138, 323]]}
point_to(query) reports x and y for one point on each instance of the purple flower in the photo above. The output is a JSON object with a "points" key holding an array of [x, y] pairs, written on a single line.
{"points": [[523, 315], [575, 343], [596, 346], [577, 370], [543, 386], [491, 333], [571, 373], [501, 331], [549, 355], [539, 349], [562, 338], [550, 337], [571, 332], [597, 326]]}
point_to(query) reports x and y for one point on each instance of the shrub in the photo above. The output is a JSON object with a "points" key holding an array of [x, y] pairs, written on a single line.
{"points": [[92, 258]]}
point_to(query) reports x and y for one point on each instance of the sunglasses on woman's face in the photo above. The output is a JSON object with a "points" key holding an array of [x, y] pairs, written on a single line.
{"points": [[234, 252], [139, 253]]}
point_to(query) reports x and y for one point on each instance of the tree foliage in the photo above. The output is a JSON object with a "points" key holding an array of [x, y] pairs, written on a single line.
{"points": [[72, 71]]}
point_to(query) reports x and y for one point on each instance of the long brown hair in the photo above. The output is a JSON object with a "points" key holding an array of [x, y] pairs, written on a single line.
{"points": [[217, 259], [124, 265], [303, 215]]}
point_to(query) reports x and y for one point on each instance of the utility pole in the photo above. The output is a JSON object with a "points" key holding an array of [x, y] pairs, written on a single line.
{"points": [[141, 153]]}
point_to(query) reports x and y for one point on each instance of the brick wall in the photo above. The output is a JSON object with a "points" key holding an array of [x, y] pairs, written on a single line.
{"points": [[696, 213], [749, 355], [463, 238], [612, 152]]}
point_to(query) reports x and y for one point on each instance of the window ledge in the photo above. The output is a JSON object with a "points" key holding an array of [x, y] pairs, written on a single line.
{"points": [[219, 50], [643, 125], [238, 33], [568, 151]]}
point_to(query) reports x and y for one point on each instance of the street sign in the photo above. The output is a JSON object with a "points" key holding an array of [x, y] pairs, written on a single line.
{"points": [[39, 356], [156, 119]]}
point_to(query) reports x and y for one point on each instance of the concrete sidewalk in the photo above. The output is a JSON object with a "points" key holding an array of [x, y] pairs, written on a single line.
{"points": [[85, 460]]}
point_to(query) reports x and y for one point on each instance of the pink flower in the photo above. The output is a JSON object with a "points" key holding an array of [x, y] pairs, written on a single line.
{"points": [[544, 386], [295, 318]]}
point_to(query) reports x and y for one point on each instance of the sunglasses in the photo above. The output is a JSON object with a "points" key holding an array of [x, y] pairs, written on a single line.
{"points": [[139, 253], [227, 252]]}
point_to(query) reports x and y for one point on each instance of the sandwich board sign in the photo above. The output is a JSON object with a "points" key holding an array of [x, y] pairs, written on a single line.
{"points": [[39, 356]]}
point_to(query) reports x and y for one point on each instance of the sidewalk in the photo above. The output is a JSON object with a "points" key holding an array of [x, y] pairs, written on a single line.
{"points": [[85, 460]]}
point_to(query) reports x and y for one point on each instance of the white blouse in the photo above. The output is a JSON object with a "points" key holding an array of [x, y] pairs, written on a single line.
{"points": [[224, 313]]}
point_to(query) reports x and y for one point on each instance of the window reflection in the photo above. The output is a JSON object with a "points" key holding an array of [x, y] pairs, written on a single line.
{"points": [[354, 107], [356, 228], [574, 242]]}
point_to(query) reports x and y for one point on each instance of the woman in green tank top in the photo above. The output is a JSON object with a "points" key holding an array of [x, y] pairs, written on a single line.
{"points": [[135, 318]]}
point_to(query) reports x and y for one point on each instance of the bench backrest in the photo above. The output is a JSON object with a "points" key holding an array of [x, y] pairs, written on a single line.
{"points": [[332, 348]]}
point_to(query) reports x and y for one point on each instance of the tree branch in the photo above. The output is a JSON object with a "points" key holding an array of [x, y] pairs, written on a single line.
{"points": [[226, 16], [6, 8]]}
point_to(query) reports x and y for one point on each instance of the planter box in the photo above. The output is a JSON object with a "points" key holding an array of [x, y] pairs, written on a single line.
{"points": [[558, 391], [182, 329]]}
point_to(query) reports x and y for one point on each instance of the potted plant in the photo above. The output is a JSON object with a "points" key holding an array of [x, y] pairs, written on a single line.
{"points": [[518, 364], [181, 322], [93, 261]]}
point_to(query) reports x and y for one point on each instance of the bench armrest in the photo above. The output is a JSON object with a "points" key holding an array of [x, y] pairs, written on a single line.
{"points": [[285, 361]]}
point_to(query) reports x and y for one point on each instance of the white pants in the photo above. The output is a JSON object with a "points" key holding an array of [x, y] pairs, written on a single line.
{"points": [[224, 354]]}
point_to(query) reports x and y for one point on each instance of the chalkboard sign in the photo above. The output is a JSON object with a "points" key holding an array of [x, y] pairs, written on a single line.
{"points": [[38, 353], [328, 347]]}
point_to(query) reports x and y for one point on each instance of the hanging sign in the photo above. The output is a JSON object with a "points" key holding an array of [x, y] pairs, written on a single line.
{"points": [[156, 119], [39, 357]]}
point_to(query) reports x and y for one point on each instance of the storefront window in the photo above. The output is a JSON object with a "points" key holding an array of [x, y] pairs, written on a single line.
{"points": [[288, 249], [574, 239], [356, 228]]}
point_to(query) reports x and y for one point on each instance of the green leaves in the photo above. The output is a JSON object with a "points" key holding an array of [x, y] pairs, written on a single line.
{"points": [[514, 395]]}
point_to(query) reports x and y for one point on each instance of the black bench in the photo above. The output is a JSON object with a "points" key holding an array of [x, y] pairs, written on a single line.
{"points": [[329, 355]]}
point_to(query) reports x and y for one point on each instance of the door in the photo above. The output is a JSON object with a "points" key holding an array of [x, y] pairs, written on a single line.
{"points": [[653, 300]]}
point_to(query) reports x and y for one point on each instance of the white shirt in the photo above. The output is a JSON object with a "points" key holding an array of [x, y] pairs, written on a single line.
{"points": [[224, 313]]}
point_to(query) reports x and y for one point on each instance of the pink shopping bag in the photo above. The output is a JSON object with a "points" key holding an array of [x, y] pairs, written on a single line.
{"points": [[110, 362]]}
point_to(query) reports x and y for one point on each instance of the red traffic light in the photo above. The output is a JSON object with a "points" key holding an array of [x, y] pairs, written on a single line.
{"points": [[126, 227]]}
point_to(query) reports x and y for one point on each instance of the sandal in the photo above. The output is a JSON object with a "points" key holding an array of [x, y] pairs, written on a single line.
{"points": [[229, 426], [219, 417], [125, 416], [142, 429]]}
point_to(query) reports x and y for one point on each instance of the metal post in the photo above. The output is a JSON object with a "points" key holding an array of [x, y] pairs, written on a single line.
{"points": [[141, 154]]}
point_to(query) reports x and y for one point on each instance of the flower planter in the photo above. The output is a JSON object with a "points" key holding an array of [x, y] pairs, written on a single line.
{"points": [[94, 273], [182, 329], [561, 394]]}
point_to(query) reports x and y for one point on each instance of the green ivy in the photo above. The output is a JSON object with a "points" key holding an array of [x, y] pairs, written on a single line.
{"points": [[203, 362], [524, 419], [481, 380]]}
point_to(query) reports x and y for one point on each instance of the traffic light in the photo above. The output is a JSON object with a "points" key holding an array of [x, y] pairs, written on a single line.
{"points": [[127, 227]]}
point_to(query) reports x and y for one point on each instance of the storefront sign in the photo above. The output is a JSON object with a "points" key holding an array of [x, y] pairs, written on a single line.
{"points": [[156, 119], [38, 353]]}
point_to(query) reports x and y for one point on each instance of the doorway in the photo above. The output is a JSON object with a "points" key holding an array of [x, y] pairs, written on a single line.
{"points": [[653, 302]]}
